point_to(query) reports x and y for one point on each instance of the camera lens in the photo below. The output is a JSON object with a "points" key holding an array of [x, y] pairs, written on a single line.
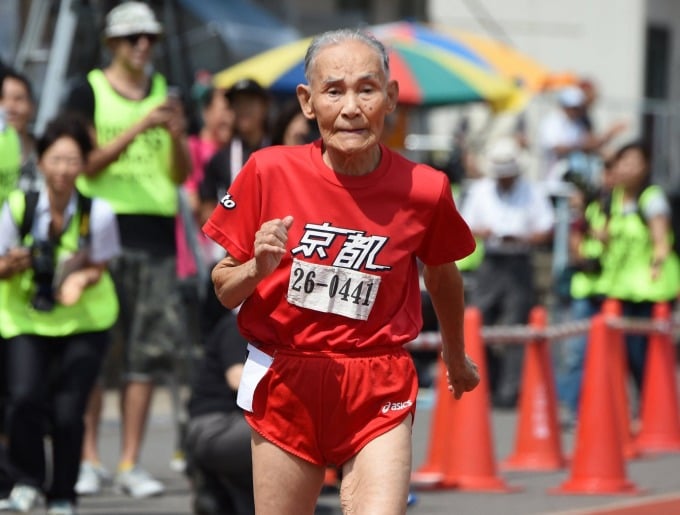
{"points": [[43, 264]]}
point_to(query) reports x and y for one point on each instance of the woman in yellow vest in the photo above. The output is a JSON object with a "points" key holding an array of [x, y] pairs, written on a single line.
{"points": [[640, 267], [57, 303]]}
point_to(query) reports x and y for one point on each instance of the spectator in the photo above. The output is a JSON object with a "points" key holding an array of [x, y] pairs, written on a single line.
{"points": [[215, 133], [640, 266], [140, 158], [17, 168], [323, 241], [250, 103], [16, 99], [56, 335], [567, 141], [291, 127], [512, 216], [218, 437]]}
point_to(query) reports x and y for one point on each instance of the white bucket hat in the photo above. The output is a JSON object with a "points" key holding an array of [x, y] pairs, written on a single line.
{"points": [[503, 158], [131, 18]]}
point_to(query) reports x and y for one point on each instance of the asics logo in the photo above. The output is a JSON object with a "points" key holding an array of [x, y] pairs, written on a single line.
{"points": [[396, 406], [227, 202]]}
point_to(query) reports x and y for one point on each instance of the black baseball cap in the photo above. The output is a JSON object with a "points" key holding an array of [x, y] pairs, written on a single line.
{"points": [[247, 86]]}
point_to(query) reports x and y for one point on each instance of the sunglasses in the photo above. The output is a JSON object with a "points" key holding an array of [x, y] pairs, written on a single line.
{"points": [[133, 39]]}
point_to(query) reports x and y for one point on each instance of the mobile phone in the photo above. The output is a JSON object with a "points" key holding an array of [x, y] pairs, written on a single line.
{"points": [[174, 92]]}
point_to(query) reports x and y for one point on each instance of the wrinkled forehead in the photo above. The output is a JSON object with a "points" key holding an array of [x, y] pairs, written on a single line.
{"points": [[346, 58]]}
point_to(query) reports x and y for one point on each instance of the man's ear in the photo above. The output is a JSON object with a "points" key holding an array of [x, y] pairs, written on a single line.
{"points": [[304, 95], [392, 95]]}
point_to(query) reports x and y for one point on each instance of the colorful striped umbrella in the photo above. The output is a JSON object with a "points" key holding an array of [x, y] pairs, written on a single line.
{"points": [[427, 75], [490, 54]]}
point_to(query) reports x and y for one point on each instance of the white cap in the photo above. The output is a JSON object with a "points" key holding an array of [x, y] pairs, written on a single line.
{"points": [[571, 97], [131, 18], [503, 158]]}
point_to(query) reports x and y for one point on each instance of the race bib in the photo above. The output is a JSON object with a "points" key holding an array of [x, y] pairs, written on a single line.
{"points": [[330, 289]]}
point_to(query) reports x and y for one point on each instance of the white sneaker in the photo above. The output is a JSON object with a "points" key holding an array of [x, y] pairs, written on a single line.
{"points": [[91, 478], [138, 483], [61, 508], [178, 463], [23, 498]]}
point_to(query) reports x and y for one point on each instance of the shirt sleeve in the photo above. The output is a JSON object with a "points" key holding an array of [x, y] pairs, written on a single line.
{"points": [[9, 232], [469, 206], [448, 237], [656, 205], [543, 217], [105, 237]]}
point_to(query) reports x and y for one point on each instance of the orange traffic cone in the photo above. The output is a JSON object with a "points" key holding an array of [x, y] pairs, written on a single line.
{"points": [[431, 472], [611, 308], [330, 478], [598, 465], [470, 462], [537, 442], [660, 430]]}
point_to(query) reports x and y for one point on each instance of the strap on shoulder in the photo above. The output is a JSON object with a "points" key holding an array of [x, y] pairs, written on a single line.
{"points": [[31, 201]]}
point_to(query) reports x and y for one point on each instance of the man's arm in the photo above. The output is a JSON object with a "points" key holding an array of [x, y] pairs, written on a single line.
{"points": [[103, 156], [445, 286], [235, 281]]}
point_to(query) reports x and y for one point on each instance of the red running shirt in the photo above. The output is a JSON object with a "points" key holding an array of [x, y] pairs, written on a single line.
{"points": [[349, 280]]}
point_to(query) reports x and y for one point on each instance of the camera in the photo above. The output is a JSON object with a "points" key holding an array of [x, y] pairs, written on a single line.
{"points": [[43, 264], [589, 266]]}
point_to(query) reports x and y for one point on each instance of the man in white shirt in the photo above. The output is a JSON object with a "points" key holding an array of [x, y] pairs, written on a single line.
{"points": [[512, 216]]}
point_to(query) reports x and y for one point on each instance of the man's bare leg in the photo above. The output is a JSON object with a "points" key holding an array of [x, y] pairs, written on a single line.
{"points": [[284, 484], [376, 481], [92, 419], [135, 405]]}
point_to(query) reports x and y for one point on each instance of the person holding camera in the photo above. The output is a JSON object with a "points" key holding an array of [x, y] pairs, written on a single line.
{"points": [[57, 303]]}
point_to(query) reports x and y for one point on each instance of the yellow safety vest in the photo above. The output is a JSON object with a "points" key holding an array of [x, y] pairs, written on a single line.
{"points": [[140, 180], [629, 253], [96, 310], [10, 161]]}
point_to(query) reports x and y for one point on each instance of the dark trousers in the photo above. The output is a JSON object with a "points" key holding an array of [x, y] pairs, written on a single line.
{"points": [[504, 293], [49, 382], [5, 476], [219, 444], [636, 344]]}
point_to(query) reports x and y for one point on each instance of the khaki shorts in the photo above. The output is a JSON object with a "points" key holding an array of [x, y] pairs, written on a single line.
{"points": [[150, 327]]}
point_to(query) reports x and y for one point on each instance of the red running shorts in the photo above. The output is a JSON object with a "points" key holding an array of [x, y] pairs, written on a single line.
{"points": [[324, 408]]}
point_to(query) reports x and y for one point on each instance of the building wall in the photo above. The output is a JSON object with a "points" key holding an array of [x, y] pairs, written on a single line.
{"points": [[599, 39]]}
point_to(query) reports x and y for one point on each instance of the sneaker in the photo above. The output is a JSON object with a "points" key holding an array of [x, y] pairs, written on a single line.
{"points": [[138, 483], [178, 463], [91, 478], [61, 508], [23, 498]]}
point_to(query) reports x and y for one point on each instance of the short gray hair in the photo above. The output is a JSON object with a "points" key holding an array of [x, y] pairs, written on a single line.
{"points": [[334, 37]]}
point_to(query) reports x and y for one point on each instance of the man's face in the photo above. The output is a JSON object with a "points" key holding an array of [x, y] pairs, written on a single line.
{"points": [[61, 163], [250, 111], [134, 50], [17, 103], [218, 118], [349, 96]]}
